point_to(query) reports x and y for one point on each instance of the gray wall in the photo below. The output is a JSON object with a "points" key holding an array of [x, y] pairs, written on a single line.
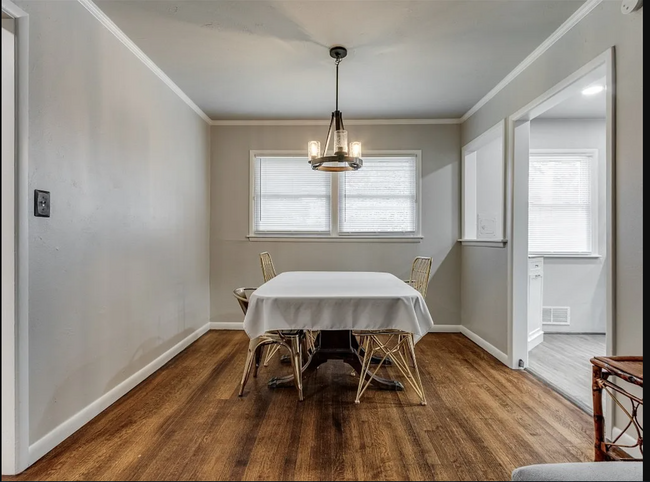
{"points": [[235, 259], [603, 28], [119, 272], [578, 283]]}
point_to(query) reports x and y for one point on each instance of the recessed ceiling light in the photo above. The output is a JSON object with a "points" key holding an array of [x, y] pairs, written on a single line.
{"points": [[593, 90]]}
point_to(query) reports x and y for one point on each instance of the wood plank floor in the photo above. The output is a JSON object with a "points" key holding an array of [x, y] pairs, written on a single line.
{"points": [[562, 360], [185, 422]]}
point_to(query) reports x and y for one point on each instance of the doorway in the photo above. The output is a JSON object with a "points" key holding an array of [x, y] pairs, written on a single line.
{"points": [[561, 262]]}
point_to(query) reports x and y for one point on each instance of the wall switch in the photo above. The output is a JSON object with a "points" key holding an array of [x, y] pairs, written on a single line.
{"points": [[41, 203]]}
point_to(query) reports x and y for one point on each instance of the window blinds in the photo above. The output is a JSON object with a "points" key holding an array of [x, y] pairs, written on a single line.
{"points": [[290, 196], [381, 197], [560, 203]]}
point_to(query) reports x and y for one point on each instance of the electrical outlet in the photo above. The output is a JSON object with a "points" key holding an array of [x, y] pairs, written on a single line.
{"points": [[41, 203]]}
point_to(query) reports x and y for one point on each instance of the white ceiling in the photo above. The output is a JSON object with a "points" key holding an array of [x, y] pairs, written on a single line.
{"points": [[248, 59], [579, 106]]}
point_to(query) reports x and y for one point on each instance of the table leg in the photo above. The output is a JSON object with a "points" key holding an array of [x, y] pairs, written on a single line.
{"points": [[337, 345]]}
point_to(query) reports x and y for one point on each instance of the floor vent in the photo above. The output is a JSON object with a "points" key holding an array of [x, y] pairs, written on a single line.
{"points": [[556, 315]]}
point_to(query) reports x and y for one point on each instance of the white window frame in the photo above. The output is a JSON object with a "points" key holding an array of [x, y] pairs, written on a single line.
{"points": [[595, 203], [334, 234]]}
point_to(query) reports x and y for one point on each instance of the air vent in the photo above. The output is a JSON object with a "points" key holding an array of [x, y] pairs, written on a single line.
{"points": [[556, 315]]}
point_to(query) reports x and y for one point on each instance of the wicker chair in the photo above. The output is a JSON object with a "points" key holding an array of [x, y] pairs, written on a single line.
{"points": [[268, 273], [395, 345], [268, 270], [291, 340]]}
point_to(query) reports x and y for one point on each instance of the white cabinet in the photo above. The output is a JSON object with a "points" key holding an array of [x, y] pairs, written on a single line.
{"points": [[535, 292]]}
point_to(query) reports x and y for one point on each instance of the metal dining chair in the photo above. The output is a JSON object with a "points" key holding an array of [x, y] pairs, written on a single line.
{"points": [[291, 340], [394, 345], [268, 273]]}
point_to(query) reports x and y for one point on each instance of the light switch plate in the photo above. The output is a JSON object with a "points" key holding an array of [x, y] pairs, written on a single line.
{"points": [[41, 203]]}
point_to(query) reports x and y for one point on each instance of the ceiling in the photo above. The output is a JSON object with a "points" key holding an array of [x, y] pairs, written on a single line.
{"points": [[579, 106], [269, 59]]}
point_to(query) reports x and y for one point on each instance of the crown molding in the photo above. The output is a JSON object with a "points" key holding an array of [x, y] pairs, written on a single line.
{"points": [[318, 122], [122, 37], [571, 22]]}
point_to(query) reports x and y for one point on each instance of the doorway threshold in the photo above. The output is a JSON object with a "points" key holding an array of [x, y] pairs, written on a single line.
{"points": [[581, 405]]}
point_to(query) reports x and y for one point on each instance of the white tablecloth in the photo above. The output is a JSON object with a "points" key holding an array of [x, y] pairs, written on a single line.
{"points": [[337, 300]]}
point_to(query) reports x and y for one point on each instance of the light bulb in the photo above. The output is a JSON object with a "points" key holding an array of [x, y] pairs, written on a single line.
{"points": [[313, 148], [593, 90], [341, 141], [355, 149]]}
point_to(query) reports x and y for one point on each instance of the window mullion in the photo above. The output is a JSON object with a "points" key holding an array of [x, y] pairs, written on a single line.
{"points": [[334, 205]]}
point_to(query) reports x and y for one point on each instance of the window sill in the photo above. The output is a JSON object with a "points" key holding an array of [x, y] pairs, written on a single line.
{"points": [[570, 256], [336, 239], [486, 243]]}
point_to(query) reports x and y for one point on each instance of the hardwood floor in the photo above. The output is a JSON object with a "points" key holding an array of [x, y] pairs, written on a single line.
{"points": [[185, 422], [562, 360]]}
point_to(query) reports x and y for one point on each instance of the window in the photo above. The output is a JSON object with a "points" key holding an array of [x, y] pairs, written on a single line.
{"points": [[290, 197], [380, 199], [562, 206]]}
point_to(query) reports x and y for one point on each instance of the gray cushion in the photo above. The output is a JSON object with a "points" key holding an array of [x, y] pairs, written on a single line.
{"points": [[582, 471]]}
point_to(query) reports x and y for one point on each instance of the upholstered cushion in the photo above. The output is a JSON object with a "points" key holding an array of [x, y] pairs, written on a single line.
{"points": [[583, 471]]}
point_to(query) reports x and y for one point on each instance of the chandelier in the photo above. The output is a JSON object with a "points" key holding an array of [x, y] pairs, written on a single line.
{"points": [[341, 158]]}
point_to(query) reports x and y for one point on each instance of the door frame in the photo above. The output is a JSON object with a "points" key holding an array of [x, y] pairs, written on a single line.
{"points": [[517, 206], [18, 453]]}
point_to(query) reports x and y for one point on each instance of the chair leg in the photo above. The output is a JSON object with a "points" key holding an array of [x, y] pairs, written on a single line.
{"points": [[365, 364], [296, 363], [416, 372], [259, 353], [272, 350], [250, 357]]}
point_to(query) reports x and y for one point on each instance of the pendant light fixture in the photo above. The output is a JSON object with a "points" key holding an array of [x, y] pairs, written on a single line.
{"points": [[341, 158]]}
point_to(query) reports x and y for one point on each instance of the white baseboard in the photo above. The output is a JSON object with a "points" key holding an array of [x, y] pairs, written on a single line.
{"points": [[225, 325], [535, 338], [42, 446], [445, 329], [488, 347], [627, 440]]}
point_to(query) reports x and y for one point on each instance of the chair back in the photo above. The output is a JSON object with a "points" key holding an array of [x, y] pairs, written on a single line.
{"points": [[268, 270], [243, 296], [420, 272]]}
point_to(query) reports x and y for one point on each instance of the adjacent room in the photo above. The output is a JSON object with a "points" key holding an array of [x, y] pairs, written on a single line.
{"points": [[322, 240]]}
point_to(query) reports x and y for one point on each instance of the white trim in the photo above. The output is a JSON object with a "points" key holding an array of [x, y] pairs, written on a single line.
{"points": [[535, 338], [484, 243], [626, 440], [323, 122], [9, 222], [225, 325], [517, 193], [21, 31], [573, 20], [128, 43], [334, 234], [41, 447], [570, 256], [445, 329], [488, 347]]}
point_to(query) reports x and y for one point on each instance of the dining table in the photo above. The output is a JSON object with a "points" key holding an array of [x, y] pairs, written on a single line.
{"points": [[335, 304]]}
